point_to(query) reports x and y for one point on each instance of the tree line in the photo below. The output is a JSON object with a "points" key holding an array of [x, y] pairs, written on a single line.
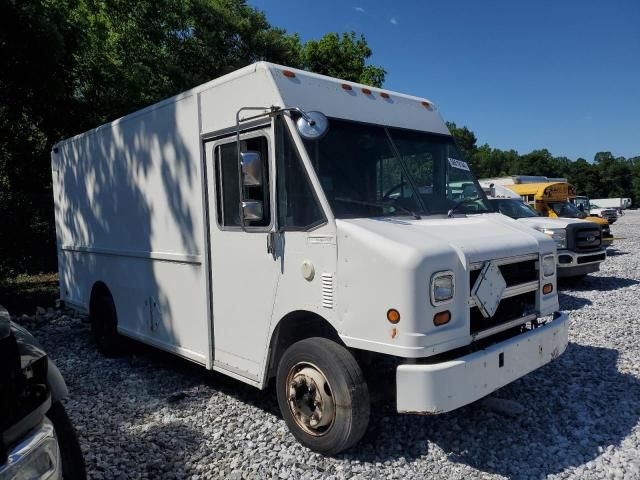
{"points": [[606, 176]]}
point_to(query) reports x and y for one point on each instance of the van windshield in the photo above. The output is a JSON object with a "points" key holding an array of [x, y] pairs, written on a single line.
{"points": [[375, 171], [512, 208]]}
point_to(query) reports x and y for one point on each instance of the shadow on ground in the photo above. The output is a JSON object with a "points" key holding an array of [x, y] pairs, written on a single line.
{"points": [[612, 252], [569, 302], [568, 404], [569, 407], [598, 283]]}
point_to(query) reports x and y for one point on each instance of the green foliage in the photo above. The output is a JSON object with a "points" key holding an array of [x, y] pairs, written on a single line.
{"points": [[70, 65], [342, 57], [465, 139]]}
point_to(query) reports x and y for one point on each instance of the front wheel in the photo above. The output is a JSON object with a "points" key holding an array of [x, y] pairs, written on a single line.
{"points": [[71, 456], [322, 395]]}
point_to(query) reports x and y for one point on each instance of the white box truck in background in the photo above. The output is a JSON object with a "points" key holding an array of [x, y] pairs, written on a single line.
{"points": [[315, 240], [617, 203]]}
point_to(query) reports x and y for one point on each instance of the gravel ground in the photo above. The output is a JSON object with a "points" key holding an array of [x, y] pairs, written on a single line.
{"points": [[152, 415]]}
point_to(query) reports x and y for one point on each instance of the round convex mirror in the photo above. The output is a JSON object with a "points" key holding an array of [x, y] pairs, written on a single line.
{"points": [[313, 130]]}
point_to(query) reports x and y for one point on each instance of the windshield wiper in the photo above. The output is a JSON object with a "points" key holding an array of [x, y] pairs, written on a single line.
{"points": [[378, 204], [464, 201]]}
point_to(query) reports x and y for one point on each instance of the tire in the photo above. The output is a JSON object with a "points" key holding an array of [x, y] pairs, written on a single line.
{"points": [[72, 461], [322, 395], [104, 326]]}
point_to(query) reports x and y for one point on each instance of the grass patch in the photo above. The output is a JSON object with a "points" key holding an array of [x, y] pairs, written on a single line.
{"points": [[22, 294]]}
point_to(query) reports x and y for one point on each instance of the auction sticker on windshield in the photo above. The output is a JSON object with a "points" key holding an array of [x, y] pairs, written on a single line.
{"points": [[458, 164]]}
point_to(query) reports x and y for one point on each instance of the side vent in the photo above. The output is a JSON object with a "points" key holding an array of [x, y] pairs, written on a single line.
{"points": [[327, 290]]}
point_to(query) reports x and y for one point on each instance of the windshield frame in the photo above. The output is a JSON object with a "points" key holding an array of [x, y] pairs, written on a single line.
{"points": [[422, 211]]}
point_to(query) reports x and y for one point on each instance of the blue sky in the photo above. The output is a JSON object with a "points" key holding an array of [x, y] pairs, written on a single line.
{"points": [[562, 75]]}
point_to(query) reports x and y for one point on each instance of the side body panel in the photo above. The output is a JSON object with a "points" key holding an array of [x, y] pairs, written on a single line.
{"points": [[128, 209]]}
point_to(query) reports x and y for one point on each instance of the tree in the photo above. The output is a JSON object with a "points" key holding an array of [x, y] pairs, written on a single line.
{"points": [[342, 57], [37, 43], [465, 140], [70, 65]]}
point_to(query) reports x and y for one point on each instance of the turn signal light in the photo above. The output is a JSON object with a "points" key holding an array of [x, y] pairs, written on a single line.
{"points": [[393, 315], [547, 289], [441, 318]]}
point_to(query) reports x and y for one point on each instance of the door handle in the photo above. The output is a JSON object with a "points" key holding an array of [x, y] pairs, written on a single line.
{"points": [[270, 242], [272, 239]]}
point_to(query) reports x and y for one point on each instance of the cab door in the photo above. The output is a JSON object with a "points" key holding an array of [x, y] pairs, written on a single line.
{"points": [[244, 272]]}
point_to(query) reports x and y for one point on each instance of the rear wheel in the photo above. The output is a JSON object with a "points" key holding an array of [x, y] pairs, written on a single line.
{"points": [[322, 395], [104, 325], [70, 453]]}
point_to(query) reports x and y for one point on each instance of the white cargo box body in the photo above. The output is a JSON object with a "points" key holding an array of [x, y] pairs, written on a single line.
{"points": [[131, 204], [137, 211]]}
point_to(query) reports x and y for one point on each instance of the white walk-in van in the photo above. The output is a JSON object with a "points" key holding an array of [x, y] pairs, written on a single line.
{"points": [[278, 224]]}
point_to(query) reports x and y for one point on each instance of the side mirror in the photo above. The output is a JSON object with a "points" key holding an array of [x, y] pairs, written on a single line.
{"points": [[251, 166], [312, 125], [252, 210]]}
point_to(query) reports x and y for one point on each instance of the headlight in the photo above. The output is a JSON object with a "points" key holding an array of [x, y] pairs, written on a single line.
{"points": [[442, 287], [548, 265], [38, 456], [559, 235]]}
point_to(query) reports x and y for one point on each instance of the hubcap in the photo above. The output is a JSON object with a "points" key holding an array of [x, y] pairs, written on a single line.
{"points": [[310, 399]]}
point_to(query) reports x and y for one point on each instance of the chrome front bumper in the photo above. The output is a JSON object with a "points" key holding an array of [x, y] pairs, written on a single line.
{"points": [[442, 387], [36, 456]]}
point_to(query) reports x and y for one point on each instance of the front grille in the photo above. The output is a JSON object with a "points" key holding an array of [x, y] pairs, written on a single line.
{"points": [[513, 273], [520, 272], [509, 309], [592, 258], [583, 237]]}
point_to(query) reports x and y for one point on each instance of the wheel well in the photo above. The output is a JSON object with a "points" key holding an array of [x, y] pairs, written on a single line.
{"points": [[98, 290], [292, 328]]}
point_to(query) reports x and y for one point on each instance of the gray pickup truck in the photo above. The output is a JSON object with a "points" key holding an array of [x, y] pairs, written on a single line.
{"points": [[37, 439]]}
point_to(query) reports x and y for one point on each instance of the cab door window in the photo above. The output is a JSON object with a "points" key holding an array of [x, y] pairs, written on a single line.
{"points": [[227, 173]]}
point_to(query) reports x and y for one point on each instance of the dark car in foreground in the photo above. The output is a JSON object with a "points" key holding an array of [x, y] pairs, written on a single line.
{"points": [[37, 439]]}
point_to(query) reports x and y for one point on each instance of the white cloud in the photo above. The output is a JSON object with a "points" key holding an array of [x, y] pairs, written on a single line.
{"points": [[359, 9], [394, 21]]}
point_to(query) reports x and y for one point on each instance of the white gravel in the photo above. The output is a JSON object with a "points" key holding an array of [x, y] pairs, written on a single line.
{"points": [[152, 415]]}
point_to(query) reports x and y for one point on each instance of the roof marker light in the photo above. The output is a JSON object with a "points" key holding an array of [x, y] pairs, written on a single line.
{"points": [[427, 105], [384, 94], [366, 91], [288, 74], [346, 86]]}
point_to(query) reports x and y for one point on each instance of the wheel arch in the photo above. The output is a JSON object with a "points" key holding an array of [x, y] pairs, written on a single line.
{"points": [[99, 288], [293, 327]]}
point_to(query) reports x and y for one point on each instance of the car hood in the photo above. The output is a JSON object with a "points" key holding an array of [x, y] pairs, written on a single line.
{"points": [[598, 220], [546, 222], [28, 347], [475, 238]]}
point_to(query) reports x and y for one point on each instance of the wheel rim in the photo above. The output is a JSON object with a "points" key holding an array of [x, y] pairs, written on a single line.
{"points": [[310, 399]]}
